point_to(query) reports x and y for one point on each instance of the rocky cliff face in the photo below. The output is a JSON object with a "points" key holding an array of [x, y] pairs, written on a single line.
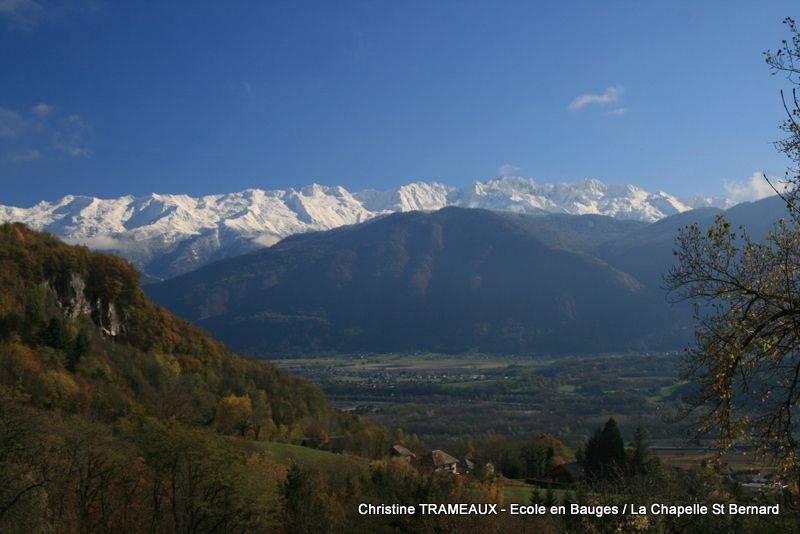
{"points": [[69, 291]]}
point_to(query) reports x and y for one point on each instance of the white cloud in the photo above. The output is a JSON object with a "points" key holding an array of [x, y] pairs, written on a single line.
{"points": [[20, 13], [617, 111], [27, 136], [68, 136], [754, 188], [11, 123], [30, 154], [609, 96], [266, 240], [42, 109], [26, 14], [15, 7], [507, 168], [99, 242]]}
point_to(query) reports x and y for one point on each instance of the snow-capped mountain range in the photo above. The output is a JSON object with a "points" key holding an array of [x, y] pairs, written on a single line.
{"points": [[166, 235]]}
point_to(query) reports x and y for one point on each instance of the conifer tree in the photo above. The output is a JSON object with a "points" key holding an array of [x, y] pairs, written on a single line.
{"points": [[605, 452]]}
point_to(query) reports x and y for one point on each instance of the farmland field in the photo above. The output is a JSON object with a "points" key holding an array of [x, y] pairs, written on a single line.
{"points": [[474, 395]]}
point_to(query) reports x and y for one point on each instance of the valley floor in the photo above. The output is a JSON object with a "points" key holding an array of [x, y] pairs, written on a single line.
{"points": [[447, 397]]}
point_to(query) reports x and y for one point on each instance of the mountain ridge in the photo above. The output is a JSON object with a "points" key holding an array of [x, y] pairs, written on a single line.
{"points": [[492, 282], [165, 235], [454, 280]]}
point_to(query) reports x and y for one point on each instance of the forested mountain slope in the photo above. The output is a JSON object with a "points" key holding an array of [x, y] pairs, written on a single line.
{"points": [[116, 416], [450, 281]]}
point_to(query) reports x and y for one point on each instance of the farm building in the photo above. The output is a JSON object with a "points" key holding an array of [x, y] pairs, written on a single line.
{"points": [[440, 461], [398, 451], [336, 444], [567, 473]]}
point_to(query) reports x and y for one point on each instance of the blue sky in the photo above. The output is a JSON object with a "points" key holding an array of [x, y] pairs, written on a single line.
{"points": [[105, 99]]}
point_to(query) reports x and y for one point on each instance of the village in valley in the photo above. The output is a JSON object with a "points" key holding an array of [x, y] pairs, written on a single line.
{"points": [[521, 398]]}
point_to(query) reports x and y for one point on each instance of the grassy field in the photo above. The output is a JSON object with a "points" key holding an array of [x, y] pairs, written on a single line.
{"points": [[517, 491], [336, 467], [730, 462], [518, 494], [409, 362]]}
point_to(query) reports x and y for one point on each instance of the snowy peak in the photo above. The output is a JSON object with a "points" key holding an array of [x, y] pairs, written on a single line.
{"points": [[589, 196], [697, 201], [411, 197], [165, 235]]}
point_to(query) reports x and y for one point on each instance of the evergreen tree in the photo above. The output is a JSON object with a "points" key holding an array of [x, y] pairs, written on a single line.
{"points": [[641, 450], [56, 334], [550, 498], [605, 451], [78, 349]]}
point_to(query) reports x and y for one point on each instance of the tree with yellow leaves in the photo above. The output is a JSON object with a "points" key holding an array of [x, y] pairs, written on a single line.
{"points": [[234, 415], [746, 290]]}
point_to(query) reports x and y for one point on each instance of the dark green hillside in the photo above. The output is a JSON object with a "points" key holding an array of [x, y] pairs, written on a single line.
{"points": [[450, 281]]}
